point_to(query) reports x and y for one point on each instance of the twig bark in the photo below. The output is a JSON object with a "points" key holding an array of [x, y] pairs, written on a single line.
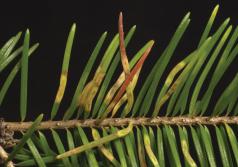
{"points": [[22, 126], [4, 156]]}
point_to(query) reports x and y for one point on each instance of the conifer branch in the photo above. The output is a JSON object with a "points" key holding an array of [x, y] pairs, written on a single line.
{"points": [[139, 121]]}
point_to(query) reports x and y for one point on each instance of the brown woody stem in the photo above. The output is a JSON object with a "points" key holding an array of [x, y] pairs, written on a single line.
{"points": [[22, 126]]}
